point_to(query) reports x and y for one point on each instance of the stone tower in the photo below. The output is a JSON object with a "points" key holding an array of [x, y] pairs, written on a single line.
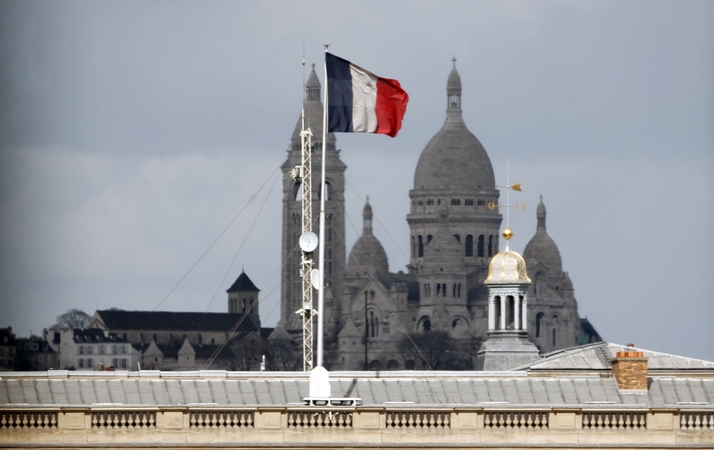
{"points": [[553, 313], [291, 296], [454, 177], [243, 297]]}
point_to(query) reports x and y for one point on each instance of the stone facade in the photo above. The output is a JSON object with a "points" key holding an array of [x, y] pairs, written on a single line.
{"points": [[551, 404], [373, 314]]}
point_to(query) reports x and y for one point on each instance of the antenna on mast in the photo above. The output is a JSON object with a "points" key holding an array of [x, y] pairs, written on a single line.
{"points": [[308, 239]]}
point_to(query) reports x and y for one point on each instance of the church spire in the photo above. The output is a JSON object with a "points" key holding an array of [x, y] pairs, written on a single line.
{"points": [[540, 214], [367, 217], [453, 90], [313, 86], [453, 99]]}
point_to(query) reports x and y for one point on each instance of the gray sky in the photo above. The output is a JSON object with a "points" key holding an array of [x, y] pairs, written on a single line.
{"points": [[132, 133]]}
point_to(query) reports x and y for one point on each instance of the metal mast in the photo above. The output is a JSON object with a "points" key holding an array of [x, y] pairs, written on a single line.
{"points": [[306, 257]]}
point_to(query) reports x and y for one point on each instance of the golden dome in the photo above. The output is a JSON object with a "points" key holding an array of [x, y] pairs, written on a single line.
{"points": [[507, 267]]}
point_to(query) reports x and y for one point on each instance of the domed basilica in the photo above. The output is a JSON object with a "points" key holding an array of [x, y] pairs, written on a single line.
{"points": [[436, 314]]}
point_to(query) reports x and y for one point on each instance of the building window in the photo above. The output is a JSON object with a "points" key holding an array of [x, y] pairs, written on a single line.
{"points": [[101, 349], [429, 202], [123, 348], [429, 238], [89, 363], [81, 363], [469, 202], [90, 349], [114, 349], [115, 362], [123, 363], [421, 246], [490, 245], [552, 338], [458, 238], [469, 246], [455, 202], [538, 323], [480, 245], [81, 349]]}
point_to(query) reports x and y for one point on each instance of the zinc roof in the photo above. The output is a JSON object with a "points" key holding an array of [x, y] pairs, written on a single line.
{"points": [[447, 389], [597, 356]]}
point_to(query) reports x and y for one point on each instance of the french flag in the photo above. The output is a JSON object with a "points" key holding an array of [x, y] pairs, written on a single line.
{"points": [[359, 101]]}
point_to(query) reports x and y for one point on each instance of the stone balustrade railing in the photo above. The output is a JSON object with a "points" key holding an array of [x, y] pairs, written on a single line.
{"points": [[244, 426]]}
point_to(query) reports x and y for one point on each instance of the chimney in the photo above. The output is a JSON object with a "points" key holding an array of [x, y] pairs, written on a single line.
{"points": [[630, 370]]}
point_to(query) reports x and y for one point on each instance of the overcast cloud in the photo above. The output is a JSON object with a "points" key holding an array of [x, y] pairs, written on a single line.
{"points": [[133, 133]]}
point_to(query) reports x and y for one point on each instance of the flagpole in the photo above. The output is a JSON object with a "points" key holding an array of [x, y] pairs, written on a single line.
{"points": [[321, 241]]}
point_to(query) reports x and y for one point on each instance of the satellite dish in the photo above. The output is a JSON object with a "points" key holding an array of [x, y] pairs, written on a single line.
{"points": [[308, 241], [315, 279]]}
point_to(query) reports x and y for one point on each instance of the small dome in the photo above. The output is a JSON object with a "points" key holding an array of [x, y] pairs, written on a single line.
{"points": [[541, 248], [367, 255], [507, 267], [454, 81]]}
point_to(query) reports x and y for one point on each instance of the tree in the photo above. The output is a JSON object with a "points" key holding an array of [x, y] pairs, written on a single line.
{"points": [[434, 350], [283, 355], [74, 318]]}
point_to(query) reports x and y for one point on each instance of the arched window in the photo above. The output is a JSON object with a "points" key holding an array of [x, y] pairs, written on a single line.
{"points": [[490, 245], [469, 246], [371, 323], [438, 289], [443, 289], [298, 191], [328, 192], [426, 324], [458, 238], [429, 238], [421, 246], [413, 246], [552, 338], [510, 312], [458, 291], [497, 312], [243, 305], [453, 293], [538, 323], [480, 245], [155, 340]]}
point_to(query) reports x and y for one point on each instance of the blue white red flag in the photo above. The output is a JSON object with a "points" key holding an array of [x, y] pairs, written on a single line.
{"points": [[359, 101]]}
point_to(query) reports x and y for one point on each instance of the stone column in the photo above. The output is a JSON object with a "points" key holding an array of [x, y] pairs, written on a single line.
{"points": [[491, 313], [524, 315], [503, 312], [516, 311]]}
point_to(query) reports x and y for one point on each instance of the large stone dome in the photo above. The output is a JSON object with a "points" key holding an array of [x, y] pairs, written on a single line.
{"points": [[367, 255], [454, 159], [541, 248]]}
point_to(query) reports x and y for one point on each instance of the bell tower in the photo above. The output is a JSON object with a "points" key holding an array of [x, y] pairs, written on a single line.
{"points": [[291, 287], [507, 345]]}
